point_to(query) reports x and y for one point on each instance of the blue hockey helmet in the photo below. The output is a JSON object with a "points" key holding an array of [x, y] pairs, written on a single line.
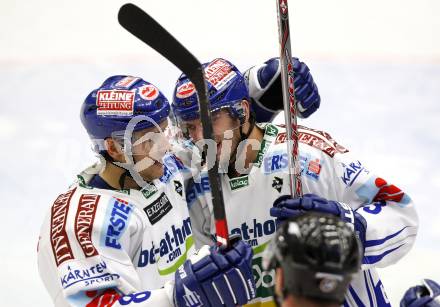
{"points": [[109, 108], [226, 89]]}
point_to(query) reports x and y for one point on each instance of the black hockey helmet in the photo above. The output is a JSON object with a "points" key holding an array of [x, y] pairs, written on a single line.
{"points": [[318, 254]]}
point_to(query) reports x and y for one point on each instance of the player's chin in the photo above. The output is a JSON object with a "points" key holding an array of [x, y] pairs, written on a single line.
{"points": [[154, 171]]}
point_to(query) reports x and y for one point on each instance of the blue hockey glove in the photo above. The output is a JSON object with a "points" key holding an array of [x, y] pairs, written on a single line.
{"points": [[426, 295], [285, 207], [264, 82], [213, 277]]}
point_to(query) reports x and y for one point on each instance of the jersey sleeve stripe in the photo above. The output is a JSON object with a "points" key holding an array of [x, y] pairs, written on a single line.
{"points": [[377, 258], [370, 243]]}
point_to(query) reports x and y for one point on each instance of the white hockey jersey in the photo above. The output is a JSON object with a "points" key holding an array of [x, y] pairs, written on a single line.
{"points": [[101, 247], [329, 171]]}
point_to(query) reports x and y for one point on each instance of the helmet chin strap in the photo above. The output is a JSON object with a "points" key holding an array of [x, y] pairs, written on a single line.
{"points": [[122, 178], [124, 175], [244, 136]]}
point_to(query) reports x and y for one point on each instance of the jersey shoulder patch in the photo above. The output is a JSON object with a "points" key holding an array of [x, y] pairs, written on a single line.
{"points": [[316, 138]]}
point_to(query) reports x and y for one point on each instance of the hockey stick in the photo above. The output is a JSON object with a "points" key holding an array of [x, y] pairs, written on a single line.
{"points": [[145, 28], [289, 98]]}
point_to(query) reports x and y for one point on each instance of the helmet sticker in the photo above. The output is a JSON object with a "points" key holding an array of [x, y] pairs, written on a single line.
{"points": [[219, 73], [149, 92], [127, 82], [185, 90], [328, 285], [115, 102]]}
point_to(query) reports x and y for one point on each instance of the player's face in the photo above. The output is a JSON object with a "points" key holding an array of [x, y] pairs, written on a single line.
{"points": [[226, 133], [149, 148]]}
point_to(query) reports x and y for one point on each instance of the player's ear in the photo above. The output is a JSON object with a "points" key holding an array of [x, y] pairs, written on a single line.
{"points": [[114, 150], [246, 109]]}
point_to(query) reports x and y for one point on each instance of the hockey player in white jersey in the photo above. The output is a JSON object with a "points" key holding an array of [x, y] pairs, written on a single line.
{"points": [[119, 237], [255, 175]]}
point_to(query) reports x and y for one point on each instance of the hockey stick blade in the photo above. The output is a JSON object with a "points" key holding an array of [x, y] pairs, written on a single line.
{"points": [[145, 28]]}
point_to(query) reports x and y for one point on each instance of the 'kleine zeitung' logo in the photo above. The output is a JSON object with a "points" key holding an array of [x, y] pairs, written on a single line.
{"points": [[115, 102], [219, 73]]}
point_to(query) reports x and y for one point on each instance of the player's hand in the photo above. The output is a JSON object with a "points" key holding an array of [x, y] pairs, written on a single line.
{"points": [[285, 207], [213, 277], [265, 89], [427, 295]]}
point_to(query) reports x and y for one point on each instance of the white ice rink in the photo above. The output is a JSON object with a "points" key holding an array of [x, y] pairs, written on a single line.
{"points": [[379, 82]]}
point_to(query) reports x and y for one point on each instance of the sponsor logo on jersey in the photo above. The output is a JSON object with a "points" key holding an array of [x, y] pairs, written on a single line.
{"points": [[58, 236], [315, 138], [115, 102], [252, 232], [387, 191], [261, 152], [116, 220], [178, 187], [196, 189], [171, 166], [85, 216], [135, 298], [219, 73], [275, 163], [158, 209], [185, 90], [318, 143], [89, 276], [325, 137], [239, 182], [169, 247], [264, 281], [148, 190], [271, 130], [124, 191], [351, 172], [106, 298], [82, 182], [378, 190], [314, 169], [277, 183], [281, 138], [148, 92], [127, 81]]}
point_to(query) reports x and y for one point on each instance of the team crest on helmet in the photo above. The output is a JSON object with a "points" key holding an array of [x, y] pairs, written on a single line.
{"points": [[185, 90], [328, 285], [148, 92]]}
